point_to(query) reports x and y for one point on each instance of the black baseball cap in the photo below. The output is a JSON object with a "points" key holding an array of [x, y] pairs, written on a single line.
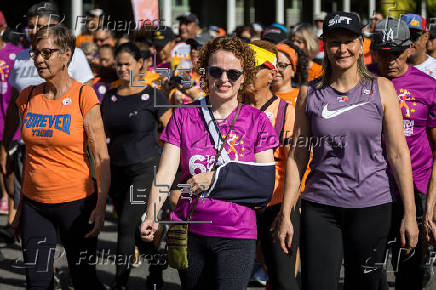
{"points": [[162, 36], [274, 34], [43, 8], [345, 20], [391, 35], [188, 17]]}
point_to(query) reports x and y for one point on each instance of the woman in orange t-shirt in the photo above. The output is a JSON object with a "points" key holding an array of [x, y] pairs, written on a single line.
{"points": [[259, 95], [291, 65], [59, 117]]}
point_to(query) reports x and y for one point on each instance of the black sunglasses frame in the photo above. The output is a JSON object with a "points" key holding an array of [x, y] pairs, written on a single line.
{"points": [[232, 74]]}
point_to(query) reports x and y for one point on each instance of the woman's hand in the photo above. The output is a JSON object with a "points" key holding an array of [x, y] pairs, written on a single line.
{"points": [[429, 227], [284, 232], [201, 182], [16, 225], [409, 232], [97, 218], [148, 228], [3, 158]]}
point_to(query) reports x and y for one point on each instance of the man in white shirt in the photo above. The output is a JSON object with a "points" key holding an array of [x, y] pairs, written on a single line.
{"points": [[24, 73], [419, 36]]}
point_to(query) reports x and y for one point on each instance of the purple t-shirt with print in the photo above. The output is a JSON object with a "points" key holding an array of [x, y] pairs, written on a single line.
{"points": [[252, 133], [417, 96], [7, 57]]}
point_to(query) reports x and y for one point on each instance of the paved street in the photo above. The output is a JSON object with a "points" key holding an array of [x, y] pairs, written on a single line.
{"points": [[12, 274]]}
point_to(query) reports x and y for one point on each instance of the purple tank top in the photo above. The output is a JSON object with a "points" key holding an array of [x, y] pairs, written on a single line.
{"points": [[348, 169]]}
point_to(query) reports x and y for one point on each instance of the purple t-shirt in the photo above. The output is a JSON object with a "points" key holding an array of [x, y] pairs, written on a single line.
{"points": [[417, 96], [252, 133], [348, 168], [7, 57]]}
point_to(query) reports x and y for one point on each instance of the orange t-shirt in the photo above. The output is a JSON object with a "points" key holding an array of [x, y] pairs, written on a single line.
{"points": [[290, 97], [367, 51], [280, 153], [56, 165], [315, 71]]}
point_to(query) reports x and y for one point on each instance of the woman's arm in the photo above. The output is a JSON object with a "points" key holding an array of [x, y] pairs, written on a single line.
{"points": [[11, 124], [399, 159], [93, 125], [289, 129], [165, 118], [160, 189], [295, 167], [266, 156], [430, 213]]}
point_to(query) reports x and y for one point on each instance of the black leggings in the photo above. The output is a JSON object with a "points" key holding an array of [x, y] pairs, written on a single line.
{"points": [[408, 269], [129, 191], [39, 224], [281, 267], [218, 263], [359, 235]]}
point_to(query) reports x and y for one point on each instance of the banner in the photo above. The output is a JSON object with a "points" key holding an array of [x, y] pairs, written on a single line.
{"points": [[146, 11]]}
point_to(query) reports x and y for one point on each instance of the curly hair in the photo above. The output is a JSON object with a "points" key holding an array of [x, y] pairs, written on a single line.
{"points": [[239, 49]]}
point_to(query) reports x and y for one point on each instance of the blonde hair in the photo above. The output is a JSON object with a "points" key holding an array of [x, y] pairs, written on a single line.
{"points": [[325, 79], [307, 32]]}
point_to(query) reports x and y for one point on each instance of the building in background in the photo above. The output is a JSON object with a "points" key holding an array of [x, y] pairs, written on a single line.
{"points": [[227, 13]]}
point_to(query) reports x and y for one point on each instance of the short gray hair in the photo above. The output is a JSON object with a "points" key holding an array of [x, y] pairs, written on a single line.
{"points": [[62, 37]]}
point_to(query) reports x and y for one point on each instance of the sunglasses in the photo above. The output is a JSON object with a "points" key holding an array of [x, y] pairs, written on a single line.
{"points": [[45, 52], [232, 74]]}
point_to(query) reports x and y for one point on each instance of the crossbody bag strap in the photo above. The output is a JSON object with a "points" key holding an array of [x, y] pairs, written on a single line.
{"points": [[218, 154], [80, 99]]}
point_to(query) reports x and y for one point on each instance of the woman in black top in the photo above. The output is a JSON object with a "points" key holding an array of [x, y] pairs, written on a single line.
{"points": [[131, 114]]}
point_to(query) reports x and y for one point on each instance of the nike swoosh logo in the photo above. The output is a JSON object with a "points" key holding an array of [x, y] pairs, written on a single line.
{"points": [[365, 271], [326, 114]]}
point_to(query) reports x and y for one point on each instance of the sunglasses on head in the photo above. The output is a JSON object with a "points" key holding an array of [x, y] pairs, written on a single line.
{"points": [[232, 74]]}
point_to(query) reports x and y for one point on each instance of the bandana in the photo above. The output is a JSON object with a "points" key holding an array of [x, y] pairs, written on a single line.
{"points": [[290, 52], [263, 56]]}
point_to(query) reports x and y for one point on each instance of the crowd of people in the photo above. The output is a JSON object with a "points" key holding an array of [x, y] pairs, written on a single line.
{"points": [[303, 148]]}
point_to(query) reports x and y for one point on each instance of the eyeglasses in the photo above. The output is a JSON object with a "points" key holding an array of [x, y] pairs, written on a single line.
{"points": [[45, 52], [232, 74], [282, 65]]}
